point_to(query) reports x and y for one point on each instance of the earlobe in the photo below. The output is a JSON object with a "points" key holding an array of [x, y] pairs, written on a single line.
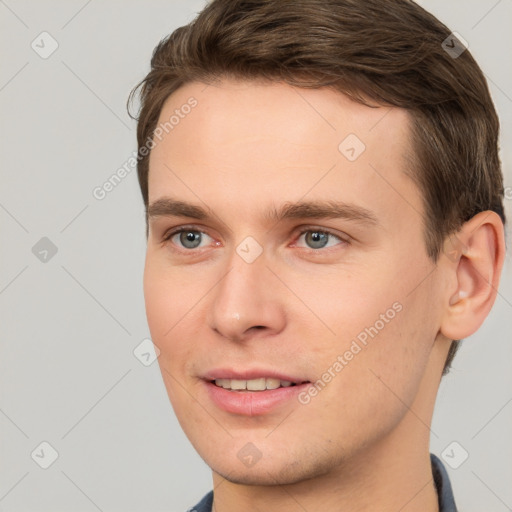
{"points": [[476, 271]]}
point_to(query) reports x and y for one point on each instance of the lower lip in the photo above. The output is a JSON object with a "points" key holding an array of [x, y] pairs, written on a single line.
{"points": [[252, 403]]}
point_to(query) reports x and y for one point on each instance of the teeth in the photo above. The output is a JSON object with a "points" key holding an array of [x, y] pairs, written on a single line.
{"points": [[238, 384], [253, 384], [256, 384], [272, 383]]}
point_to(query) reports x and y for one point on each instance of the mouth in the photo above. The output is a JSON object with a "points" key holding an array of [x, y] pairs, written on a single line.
{"points": [[252, 393], [260, 384]]}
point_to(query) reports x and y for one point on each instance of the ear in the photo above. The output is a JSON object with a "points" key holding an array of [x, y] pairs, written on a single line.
{"points": [[473, 259]]}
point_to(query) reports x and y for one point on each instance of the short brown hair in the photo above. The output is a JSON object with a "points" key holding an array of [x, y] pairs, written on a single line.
{"points": [[390, 52]]}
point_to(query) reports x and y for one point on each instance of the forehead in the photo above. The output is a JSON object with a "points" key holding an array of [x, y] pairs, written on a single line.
{"points": [[261, 144]]}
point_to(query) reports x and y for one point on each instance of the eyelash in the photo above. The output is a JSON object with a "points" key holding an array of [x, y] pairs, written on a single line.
{"points": [[343, 240]]}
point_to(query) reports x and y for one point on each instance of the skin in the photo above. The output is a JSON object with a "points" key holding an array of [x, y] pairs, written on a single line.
{"points": [[363, 440]]}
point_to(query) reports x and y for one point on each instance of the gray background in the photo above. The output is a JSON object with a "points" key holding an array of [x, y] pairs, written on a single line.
{"points": [[70, 324]]}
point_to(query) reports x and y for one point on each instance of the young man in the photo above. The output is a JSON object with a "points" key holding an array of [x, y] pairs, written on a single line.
{"points": [[325, 221]]}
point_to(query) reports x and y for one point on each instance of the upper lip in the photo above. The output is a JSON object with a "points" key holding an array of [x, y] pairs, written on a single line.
{"points": [[250, 374]]}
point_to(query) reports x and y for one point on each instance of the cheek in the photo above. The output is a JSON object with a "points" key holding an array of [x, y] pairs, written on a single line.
{"points": [[382, 332], [342, 307], [169, 295], [171, 299]]}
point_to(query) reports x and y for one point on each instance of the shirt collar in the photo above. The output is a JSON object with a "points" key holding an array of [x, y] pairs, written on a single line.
{"points": [[443, 486]]}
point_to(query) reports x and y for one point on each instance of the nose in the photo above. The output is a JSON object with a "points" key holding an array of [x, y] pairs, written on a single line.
{"points": [[245, 303]]}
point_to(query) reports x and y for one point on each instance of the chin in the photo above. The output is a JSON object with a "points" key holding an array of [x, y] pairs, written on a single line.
{"points": [[272, 473], [250, 478], [260, 478]]}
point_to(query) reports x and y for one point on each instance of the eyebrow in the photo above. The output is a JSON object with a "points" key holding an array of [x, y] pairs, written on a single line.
{"points": [[168, 207]]}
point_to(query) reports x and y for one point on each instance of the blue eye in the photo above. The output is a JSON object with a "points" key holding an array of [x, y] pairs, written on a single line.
{"points": [[190, 239], [313, 239], [316, 239], [187, 238]]}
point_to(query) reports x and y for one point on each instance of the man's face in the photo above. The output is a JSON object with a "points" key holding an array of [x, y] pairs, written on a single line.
{"points": [[262, 291]]}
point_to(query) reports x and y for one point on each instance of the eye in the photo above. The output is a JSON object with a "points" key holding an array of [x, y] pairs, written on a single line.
{"points": [[188, 238], [318, 239]]}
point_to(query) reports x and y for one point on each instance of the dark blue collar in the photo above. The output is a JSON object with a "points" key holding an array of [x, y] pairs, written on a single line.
{"points": [[443, 486]]}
